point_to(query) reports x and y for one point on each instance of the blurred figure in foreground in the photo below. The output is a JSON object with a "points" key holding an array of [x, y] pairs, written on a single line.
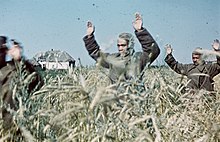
{"points": [[3, 51], [199, 73], [17, 79], [126, 64]]}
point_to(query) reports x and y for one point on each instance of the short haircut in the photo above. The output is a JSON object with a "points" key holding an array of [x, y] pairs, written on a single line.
{"points": [[197, 51]]}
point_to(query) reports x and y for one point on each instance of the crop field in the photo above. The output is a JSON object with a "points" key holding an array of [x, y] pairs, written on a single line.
{"points": [[81, 105]]}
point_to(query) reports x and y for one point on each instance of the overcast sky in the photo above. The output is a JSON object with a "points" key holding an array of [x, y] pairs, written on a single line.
{"points": [[42, 25]]}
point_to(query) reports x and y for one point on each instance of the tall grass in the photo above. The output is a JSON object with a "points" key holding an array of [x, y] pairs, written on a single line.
{"points": [[82, 105]]}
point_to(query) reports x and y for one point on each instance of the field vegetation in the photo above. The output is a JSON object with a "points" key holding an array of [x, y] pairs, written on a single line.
{"points": [[82, 105]]}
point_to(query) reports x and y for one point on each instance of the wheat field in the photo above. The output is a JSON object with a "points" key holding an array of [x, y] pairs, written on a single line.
{"points": [[81, 105]]}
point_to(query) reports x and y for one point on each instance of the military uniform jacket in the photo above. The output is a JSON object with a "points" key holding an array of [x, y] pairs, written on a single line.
{"points": [[200, 76], [21, 74], [130, 65], [17, 79]]}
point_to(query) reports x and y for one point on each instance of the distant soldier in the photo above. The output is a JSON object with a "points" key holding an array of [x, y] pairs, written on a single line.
{"points": [[126, 64], [199, 73], [16, 76]]}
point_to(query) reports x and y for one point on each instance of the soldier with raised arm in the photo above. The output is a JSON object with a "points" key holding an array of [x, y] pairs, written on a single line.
{"points": [[126, 64], [199, 73], [17, 77]]}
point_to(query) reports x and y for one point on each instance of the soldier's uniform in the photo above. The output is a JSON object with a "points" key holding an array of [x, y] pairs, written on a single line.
{"points": [[200, 76], [130, 65], [17, 79]]}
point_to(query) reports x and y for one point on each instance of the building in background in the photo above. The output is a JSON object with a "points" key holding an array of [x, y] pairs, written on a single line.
{"points": [[54, 59]]}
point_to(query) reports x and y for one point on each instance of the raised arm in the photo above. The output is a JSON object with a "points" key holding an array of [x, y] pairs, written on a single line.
{"points": [[15, 51], [149, 46], [90, 42], [93, 47], [216, 47], [215, 68], [173, 64]]}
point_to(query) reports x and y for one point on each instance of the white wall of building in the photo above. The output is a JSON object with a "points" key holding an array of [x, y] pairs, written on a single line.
{"points": [[55, 65]]}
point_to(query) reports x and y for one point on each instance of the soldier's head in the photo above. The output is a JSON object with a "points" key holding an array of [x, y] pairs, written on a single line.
{"points": [[125, 43], [197, 56]]}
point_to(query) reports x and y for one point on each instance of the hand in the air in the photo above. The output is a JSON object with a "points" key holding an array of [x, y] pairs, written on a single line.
{"points": [[138, 22], [216, 44], [169, 49], [90, 28]]}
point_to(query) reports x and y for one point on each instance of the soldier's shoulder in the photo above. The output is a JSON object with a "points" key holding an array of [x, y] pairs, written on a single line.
{"points": [[6, 70]]}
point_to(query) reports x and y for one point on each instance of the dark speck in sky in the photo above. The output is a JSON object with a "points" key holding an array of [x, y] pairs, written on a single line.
{"points": [[94, 5]]}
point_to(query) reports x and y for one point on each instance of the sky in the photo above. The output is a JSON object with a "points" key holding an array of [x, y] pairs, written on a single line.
{"points": [[42, 25]]}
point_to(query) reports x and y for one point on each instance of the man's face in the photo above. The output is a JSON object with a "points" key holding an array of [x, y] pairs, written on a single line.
{"points": [[196, 58], [122, 46]]}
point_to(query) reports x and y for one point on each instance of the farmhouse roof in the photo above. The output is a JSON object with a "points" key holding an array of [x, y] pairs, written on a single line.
{"points": [[53, 56]]}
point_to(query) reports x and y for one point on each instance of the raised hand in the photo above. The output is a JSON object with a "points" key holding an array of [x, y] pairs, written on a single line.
{"points": [[138, 22], [169, 49], [15, 52], [90, 28], [216, 44]]}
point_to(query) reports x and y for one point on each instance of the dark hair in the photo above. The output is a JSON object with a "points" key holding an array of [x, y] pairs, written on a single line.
{"points": [[216, 40], [3, 40], [14, 42]]}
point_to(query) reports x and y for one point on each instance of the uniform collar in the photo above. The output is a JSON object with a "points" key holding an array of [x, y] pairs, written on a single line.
{"points": [[201, 66]]}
